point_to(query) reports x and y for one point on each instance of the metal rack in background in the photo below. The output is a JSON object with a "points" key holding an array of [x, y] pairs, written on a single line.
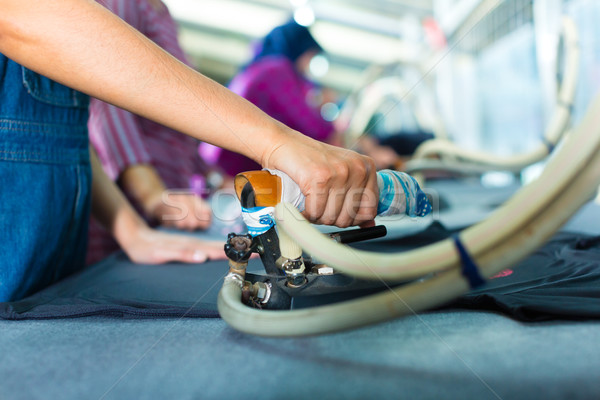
{"points": [[490, 21]]}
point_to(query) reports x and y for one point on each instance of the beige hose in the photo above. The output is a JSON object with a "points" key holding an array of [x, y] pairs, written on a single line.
{"points": [[386, 88], [512, 232], [454, 156]]}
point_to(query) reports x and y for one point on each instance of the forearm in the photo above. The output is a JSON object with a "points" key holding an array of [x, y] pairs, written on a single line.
{"points": [[82, 45], [143, 184], [73, 42], [110, 207], [140, 243], [181, 210]]}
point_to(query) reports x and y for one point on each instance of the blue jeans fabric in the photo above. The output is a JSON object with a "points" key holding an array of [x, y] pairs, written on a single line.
{"points": [[45, 181]]}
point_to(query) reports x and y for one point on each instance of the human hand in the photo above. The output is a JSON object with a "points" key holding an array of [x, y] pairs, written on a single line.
{"points": [[182, 210], [149, 246], [340, 185], [384, 157]]}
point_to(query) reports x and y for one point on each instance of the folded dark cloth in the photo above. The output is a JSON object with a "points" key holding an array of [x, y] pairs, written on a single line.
{"points": [[561, 280]]}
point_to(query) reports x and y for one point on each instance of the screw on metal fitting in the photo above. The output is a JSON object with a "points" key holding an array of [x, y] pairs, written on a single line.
{"points": [[294, 271], [295, 280], [291, 265], [238, 247], [234, 278], [262, 291], [322, 269]]}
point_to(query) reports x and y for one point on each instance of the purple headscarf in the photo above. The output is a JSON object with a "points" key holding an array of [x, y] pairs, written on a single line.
{"points": [[290, 40]]}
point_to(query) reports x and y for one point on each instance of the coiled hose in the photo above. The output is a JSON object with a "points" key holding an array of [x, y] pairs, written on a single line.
{"points": [[453, 158], [513, 231]]}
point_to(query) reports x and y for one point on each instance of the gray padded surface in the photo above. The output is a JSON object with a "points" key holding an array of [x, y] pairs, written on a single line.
{"points": [[449, 354], [440, 355]]}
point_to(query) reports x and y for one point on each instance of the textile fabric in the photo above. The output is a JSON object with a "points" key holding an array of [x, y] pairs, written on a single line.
{"points": [[559, 281], [45, 180]]}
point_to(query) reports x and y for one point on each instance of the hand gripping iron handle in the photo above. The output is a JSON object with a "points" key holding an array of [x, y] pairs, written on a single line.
{"points": [[260, 191]]}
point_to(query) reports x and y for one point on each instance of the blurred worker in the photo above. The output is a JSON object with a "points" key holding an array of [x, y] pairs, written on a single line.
{"points": [[139, 154], [45, 171], [276, 81]]}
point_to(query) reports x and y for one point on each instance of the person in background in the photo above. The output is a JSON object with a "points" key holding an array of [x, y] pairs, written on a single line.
{"points": [[53, 55], [276, 81], [138, 153]]}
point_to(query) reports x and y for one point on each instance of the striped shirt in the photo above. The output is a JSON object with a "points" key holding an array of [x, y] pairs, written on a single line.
{"points": [[123, 139]]}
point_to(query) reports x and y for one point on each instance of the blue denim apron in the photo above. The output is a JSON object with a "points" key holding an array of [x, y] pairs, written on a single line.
{"points": [[45, 181]]}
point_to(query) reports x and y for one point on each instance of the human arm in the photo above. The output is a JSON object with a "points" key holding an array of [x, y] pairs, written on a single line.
{"points": [[141, 243], [180, 210], [82, 45], [129, 147]]}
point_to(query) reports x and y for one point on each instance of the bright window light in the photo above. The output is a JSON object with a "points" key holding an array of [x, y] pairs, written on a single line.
{"points": [[246, 18], [352, 43], [304, 15], [298, 3], [319, 65]]}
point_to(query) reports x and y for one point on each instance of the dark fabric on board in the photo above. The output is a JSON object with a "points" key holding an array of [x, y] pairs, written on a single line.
{"points": [[560, 280], [116, 287]]}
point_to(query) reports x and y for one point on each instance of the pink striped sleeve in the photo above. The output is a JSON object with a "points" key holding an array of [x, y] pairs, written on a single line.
{"points": [[118, 135], [118, 138]]}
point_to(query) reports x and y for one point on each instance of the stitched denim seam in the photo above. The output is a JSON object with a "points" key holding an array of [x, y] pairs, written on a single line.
{"points": [[10, 125], [39, 160], [61, 159]]}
